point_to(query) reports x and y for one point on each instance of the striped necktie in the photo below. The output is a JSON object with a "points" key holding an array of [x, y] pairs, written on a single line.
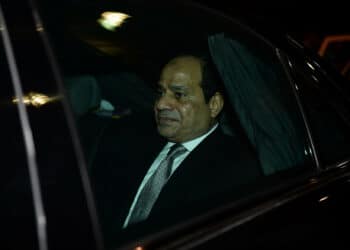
{"points": [[154, 185]]}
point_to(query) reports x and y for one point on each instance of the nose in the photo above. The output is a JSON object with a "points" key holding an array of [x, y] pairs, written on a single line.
{"points": [[164, 102]]}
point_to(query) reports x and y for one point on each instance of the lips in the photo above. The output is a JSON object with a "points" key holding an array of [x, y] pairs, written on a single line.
{"points": [[167, 118]]}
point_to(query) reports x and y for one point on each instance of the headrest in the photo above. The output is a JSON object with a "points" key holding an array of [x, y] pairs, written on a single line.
{"points": [[83, 93]]}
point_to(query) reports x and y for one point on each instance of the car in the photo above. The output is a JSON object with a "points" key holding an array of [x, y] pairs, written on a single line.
{"points": [[76, 73]]}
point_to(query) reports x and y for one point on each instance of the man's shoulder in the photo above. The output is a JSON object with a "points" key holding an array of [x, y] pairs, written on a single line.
{"points": [[231, 150], [222, 148], [218, 139]]}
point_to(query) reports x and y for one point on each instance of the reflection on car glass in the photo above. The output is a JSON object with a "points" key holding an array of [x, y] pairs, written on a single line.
{"points": [[264, 118]]}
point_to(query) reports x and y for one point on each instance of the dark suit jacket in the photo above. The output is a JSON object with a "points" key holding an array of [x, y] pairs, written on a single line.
{"points": [[216, 170]]}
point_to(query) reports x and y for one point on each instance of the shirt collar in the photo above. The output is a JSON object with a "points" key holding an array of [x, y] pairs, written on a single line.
{"points": [[190, 145]]}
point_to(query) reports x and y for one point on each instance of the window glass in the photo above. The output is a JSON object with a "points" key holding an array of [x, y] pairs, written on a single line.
{"points": [[117, 74], [62, 192], [262, 98], [16, 210], [327, 112]]}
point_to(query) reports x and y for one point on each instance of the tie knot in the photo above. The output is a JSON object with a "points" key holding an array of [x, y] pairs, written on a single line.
{"points": [[176, 150]]}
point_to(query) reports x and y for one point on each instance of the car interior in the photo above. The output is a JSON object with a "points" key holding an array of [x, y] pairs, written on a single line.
{"points": [[110, 77]]}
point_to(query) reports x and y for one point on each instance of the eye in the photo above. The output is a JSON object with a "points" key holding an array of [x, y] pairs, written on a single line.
{"points": [[179, 95], [160, 92]]}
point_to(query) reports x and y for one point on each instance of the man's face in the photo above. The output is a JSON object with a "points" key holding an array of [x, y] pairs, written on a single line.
{"points": [[181, 112]]}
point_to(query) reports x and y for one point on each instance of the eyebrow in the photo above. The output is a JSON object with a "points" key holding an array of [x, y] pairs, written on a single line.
{"points": [[178, 87]]}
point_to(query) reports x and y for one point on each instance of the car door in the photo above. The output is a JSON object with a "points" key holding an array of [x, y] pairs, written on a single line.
{"points": [[45, 202], [113, 69]]}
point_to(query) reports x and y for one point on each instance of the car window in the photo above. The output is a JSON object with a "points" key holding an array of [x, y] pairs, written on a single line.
{"points": [[16, 211], [110, 71], [263, 100], [62, 211], [327, 111]]}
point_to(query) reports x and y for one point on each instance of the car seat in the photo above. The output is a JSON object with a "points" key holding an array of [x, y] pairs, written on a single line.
{"points": [[91, 112]]}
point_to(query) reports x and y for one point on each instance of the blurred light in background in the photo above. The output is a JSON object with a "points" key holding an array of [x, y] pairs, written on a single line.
{"points": [[323, 198], [35, 99], [112, 20]]}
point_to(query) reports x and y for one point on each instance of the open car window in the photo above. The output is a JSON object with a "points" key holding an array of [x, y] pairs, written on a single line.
{"points": [[111, 54]]}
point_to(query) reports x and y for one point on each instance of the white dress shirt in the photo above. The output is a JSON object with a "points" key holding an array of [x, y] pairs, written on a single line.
{"points": [[189, 145]]}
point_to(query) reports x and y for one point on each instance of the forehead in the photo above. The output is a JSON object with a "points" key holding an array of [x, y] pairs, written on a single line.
{"points": [[182, 70]]}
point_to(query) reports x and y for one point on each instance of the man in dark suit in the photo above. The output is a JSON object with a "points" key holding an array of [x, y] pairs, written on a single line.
{"points": [[211, 168]]}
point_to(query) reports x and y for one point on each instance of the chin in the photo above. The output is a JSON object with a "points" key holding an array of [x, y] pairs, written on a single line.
{"points": [[170, 136], [165, 132]]}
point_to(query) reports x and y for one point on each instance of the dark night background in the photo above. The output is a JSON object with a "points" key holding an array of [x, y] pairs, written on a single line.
{"points": [[308, 22], [294, 16]]}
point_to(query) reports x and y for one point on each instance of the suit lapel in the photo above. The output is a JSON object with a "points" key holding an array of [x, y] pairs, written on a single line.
{"points": [[137, 169], [195, 170]]}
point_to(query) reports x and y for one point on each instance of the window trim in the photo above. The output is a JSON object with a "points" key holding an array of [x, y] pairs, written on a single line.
{"points": [[81, 162], [287, 65]]}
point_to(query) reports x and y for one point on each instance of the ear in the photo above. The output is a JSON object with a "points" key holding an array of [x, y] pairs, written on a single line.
{"points": [[216, 103]]}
